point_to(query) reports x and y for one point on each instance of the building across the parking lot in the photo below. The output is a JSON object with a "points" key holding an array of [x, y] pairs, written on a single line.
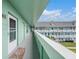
{"points": [[61, 31]]}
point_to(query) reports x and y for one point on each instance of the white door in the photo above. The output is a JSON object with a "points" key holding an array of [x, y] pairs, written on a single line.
{"points": [[12, 38]]}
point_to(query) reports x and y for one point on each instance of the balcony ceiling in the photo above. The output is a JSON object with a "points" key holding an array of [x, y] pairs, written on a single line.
{"points": [[30, 10]]}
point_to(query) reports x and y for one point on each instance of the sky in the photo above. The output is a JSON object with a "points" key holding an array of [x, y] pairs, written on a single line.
{"points": [[59, 10]]}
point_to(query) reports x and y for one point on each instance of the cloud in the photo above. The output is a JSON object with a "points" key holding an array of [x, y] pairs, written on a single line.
{"points": [[53, 13], [74, 10], [58, 15], [70, 15]]}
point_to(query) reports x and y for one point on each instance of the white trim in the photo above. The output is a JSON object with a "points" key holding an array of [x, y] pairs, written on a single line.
{"points": [[13, 44]]}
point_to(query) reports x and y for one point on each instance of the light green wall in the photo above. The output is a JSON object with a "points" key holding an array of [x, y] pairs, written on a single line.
{"points": [[7, 7], [42, 52], [20, 9]]}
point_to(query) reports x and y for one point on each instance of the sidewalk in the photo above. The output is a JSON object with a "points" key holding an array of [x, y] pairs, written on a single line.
{"points": [[71, 47]]}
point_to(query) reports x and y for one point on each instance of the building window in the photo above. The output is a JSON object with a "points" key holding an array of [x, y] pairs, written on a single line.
{"points": [[12, 37], [12, 24], [45, 33], [48, 33], [52, 28], [52, 33]]}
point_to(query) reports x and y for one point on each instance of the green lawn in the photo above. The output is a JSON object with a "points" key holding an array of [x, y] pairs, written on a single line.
{"points": [[69, 44], [74, 50]]}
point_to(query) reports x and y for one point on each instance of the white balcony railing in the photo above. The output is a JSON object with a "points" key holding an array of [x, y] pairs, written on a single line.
{"points": [[54, 49], [56, 30]]}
